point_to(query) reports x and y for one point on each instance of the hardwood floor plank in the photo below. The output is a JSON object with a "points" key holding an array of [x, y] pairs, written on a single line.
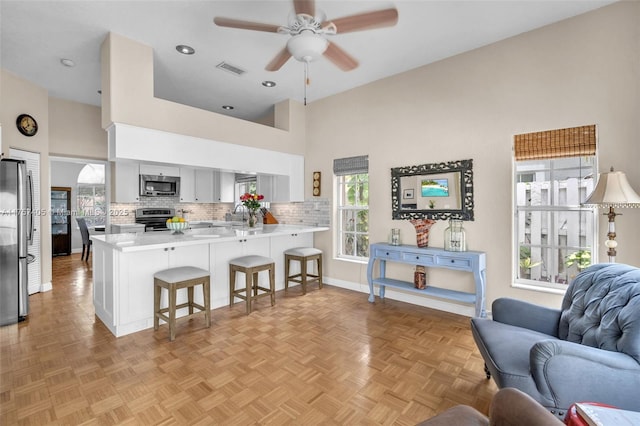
{"points": [[329, 357]]}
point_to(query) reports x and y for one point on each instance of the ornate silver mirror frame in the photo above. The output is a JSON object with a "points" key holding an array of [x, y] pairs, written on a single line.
{"points": [[410, 191]]}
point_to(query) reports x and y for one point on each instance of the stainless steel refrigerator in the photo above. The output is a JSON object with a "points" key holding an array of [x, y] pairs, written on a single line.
{"points": [[16, 232]]}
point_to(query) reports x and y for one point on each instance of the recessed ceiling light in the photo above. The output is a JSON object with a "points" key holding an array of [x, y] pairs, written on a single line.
{"points": [[67, 62], [268, 83], [185, 50], [227, 107]]}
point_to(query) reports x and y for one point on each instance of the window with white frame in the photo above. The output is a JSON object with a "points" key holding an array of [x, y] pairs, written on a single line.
{"points": [[91, 195], [352, 180], [554, 234]]}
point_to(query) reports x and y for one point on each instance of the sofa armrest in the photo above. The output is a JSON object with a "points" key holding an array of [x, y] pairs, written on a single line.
{"points": [[567, 372], [512, 407], [527, 315]]}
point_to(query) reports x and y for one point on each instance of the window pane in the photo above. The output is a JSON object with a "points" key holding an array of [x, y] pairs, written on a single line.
{"points": [[362, 221], [535, 190], [348, 220], [348, 244], [363, 245]]}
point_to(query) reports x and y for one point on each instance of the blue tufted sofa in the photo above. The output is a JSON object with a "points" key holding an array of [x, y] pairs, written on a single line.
{"points": [[589, 350]]}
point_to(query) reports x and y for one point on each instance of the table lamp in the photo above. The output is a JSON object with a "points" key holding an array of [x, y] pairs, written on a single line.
{"points": [[612, 190]]}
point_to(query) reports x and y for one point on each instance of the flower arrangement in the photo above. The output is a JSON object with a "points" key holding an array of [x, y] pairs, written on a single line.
{"points": [[251, 201]]}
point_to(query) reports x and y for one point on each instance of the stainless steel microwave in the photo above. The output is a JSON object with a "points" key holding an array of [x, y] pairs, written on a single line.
{"points": [[159, 186]]}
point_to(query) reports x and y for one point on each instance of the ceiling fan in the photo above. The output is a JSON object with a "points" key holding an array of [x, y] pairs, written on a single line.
{"points": [[309, 32]]}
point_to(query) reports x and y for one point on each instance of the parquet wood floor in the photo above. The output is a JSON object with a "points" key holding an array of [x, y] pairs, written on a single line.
{"points": [[327, 358]]}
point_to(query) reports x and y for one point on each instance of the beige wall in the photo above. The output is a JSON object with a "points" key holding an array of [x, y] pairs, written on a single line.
{"points": [[18, 96], [75, 130], [580, 71]]}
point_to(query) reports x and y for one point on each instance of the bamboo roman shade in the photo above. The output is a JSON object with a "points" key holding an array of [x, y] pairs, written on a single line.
{"points": [[571, 142]]}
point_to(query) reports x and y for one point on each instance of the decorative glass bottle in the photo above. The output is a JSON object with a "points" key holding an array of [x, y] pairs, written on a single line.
{"points": [[454, 236], [395, 239]]}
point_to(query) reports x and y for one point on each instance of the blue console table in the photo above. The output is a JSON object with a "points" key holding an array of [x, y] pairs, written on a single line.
{"points": [[470, 261]]}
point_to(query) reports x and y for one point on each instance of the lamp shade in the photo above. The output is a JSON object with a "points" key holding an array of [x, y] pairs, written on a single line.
{"points": [[613, 190]]}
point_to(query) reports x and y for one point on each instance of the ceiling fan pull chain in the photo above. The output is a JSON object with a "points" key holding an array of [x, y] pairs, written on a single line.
{"points": [[306, 80]]}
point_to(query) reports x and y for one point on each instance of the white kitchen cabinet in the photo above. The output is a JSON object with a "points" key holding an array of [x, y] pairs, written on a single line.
{"points": [[223, 187], [126, 182], [275, 188], [196, 185], [157, 170], [135, 271], [281, 243], [204, 186], [222, 253], [187, 185]]}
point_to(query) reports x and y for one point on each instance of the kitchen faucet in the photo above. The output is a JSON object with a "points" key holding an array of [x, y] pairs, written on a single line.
{"points": [[244, 209]]}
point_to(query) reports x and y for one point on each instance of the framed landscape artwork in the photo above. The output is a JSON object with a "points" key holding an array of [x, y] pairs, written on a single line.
{"points": [[434, 187]]}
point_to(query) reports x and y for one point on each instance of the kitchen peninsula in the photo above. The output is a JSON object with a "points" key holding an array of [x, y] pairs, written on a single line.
{"points": [[124, 264]]}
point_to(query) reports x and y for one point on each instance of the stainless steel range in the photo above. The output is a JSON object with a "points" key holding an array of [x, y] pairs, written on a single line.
{"points": [[154, 218]]}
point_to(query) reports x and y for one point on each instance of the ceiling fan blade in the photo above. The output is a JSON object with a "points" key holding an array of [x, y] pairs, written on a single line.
{"points": [[305, 6], [245, 25], [366, 21], [280, 59], [340, 58]]}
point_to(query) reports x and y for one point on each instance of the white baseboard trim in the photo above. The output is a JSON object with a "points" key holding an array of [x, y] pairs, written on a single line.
{"points": [[40, 288], [413, 298]]}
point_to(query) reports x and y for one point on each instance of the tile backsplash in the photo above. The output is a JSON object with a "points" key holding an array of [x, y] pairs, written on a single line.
{"points": [[313, 212]]}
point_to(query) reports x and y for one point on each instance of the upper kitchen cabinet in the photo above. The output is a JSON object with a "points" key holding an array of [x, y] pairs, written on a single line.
{"points": [[223, 187], [196, 185], [204, 186], [125, 177], [275, 188], [157, 170], [187, 185]]}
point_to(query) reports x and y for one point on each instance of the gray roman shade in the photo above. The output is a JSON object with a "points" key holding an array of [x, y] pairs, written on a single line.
{"points": [[351, 165]]}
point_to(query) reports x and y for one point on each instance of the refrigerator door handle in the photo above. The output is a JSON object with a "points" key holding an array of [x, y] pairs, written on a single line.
{"points": [[30, 228]]}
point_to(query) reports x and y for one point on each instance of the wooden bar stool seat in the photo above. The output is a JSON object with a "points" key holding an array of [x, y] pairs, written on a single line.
{"points": [[176, 278], [303, 255], [251, 266]]}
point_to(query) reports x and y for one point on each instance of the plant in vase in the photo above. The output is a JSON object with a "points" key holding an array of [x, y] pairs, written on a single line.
{"points": [[252, 203]]}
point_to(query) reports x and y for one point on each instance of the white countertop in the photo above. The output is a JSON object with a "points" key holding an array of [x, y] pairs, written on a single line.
{"points": [[221, 232]]}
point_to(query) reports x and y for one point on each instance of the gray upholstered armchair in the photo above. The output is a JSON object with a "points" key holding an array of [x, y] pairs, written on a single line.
{"points": [[589, 350]]}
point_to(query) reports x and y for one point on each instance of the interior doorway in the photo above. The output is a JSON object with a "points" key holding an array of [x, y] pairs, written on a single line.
{"points": [[89, 183]]}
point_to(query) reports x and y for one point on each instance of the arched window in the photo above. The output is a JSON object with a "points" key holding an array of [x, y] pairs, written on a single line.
{"points": [[91, 200]]}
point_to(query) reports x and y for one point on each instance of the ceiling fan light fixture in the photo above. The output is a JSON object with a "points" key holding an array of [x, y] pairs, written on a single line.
{"points": [[307, 46]]}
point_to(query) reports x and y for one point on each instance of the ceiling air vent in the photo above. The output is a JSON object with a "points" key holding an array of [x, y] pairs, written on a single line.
{"points": [[230, 68]]}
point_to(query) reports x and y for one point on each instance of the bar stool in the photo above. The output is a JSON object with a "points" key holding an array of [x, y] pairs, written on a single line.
{"points": [[176, 278], [251, 266], [303, 255]]}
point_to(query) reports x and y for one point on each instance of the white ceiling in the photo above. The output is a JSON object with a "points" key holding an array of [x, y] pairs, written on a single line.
{"points": [[36, 35]]}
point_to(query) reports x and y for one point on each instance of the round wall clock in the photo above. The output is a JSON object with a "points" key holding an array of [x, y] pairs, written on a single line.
{"points": [[27, 125]]}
